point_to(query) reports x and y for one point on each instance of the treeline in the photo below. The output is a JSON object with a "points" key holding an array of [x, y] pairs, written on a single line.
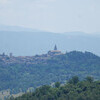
{"points": [[74, 89]]}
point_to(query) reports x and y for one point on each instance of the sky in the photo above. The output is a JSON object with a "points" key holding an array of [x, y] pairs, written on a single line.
{"points": [[52, 15]]}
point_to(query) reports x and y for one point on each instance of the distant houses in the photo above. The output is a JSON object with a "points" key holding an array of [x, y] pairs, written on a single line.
{"points": [[29, 59]]}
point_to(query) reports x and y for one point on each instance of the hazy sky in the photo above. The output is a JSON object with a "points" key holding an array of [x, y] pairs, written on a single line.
{"points": [[52, 15]]}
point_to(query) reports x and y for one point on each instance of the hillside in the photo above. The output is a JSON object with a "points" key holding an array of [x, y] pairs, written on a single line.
{"points": [[30, 43], [20, 73], [72, 90]]}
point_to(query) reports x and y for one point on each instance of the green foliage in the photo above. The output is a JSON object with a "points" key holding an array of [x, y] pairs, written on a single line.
{"points": [[89, 79], [19, 77], [83, 90], [57, 84], [74, 80]]}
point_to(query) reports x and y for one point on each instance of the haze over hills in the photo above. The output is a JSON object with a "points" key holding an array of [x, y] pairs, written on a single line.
{"points": [[17, 28], [21, 73], [24, 41]]}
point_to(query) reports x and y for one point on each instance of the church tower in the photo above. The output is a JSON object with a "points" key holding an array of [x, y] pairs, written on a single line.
{"points": [[54, 52], [55, 48]]}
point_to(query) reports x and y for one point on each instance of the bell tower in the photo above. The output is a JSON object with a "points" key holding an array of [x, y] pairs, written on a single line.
{"points": [[55, 48]]}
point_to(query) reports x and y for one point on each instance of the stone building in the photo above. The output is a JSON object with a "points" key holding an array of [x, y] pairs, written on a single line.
{"points": [[54, 52]]}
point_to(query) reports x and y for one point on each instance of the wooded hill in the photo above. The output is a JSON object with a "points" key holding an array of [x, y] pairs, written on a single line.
{"points": [[19, 77]]}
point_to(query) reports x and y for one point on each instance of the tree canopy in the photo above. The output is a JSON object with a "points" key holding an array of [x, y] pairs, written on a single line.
{"points": [[81, 90]]}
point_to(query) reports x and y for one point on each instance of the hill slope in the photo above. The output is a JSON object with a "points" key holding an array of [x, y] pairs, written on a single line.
{"points": [[20, 76]]}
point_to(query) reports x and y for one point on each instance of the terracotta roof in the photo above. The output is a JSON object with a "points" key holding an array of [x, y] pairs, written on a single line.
{"points": [[54, 51]]}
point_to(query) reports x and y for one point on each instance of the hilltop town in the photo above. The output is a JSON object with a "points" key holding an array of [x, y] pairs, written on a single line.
{"points": [[10, 59]]}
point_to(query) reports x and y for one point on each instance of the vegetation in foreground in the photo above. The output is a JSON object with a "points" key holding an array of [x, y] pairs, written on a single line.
{"points": [[74, 89]]}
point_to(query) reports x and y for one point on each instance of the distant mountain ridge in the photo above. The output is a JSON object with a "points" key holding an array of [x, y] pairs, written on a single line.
{"points": [[26, 41], [18, 29], [26, 29], [31, 43]]}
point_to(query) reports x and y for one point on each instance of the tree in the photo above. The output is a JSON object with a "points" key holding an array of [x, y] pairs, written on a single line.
{"points": [[57, 84], [89, 79], [74, 80]]}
